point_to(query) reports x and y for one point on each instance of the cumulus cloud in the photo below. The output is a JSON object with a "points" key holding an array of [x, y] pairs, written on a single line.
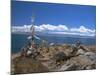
{"points": [[48, 27], [24, 28], [82, 29], [43, 27], [56, 29]]}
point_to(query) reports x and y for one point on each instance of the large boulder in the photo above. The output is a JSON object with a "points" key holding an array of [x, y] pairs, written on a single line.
{"points": [[60, 56]]}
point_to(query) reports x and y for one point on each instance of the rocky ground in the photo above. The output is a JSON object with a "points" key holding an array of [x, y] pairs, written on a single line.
{"points": [[55, 58]]}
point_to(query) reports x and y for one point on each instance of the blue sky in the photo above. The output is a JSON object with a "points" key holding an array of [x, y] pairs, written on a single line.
{"points": [[68, 15]]}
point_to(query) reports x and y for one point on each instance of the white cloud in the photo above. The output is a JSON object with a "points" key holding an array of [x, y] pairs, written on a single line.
{"points": [[48, 27], [24, 28], [59, 29], [43, 27], [82, 29]]}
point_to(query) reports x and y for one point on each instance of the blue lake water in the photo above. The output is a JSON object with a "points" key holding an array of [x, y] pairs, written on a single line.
{"points": [[20, 40]]}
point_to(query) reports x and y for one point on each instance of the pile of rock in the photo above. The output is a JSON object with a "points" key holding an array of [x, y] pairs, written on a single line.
{"points": [[80, 60], [57, 58]]}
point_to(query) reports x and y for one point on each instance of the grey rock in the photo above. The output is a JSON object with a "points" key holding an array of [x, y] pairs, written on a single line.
{"points": [[60, 56], [80, 52]]}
